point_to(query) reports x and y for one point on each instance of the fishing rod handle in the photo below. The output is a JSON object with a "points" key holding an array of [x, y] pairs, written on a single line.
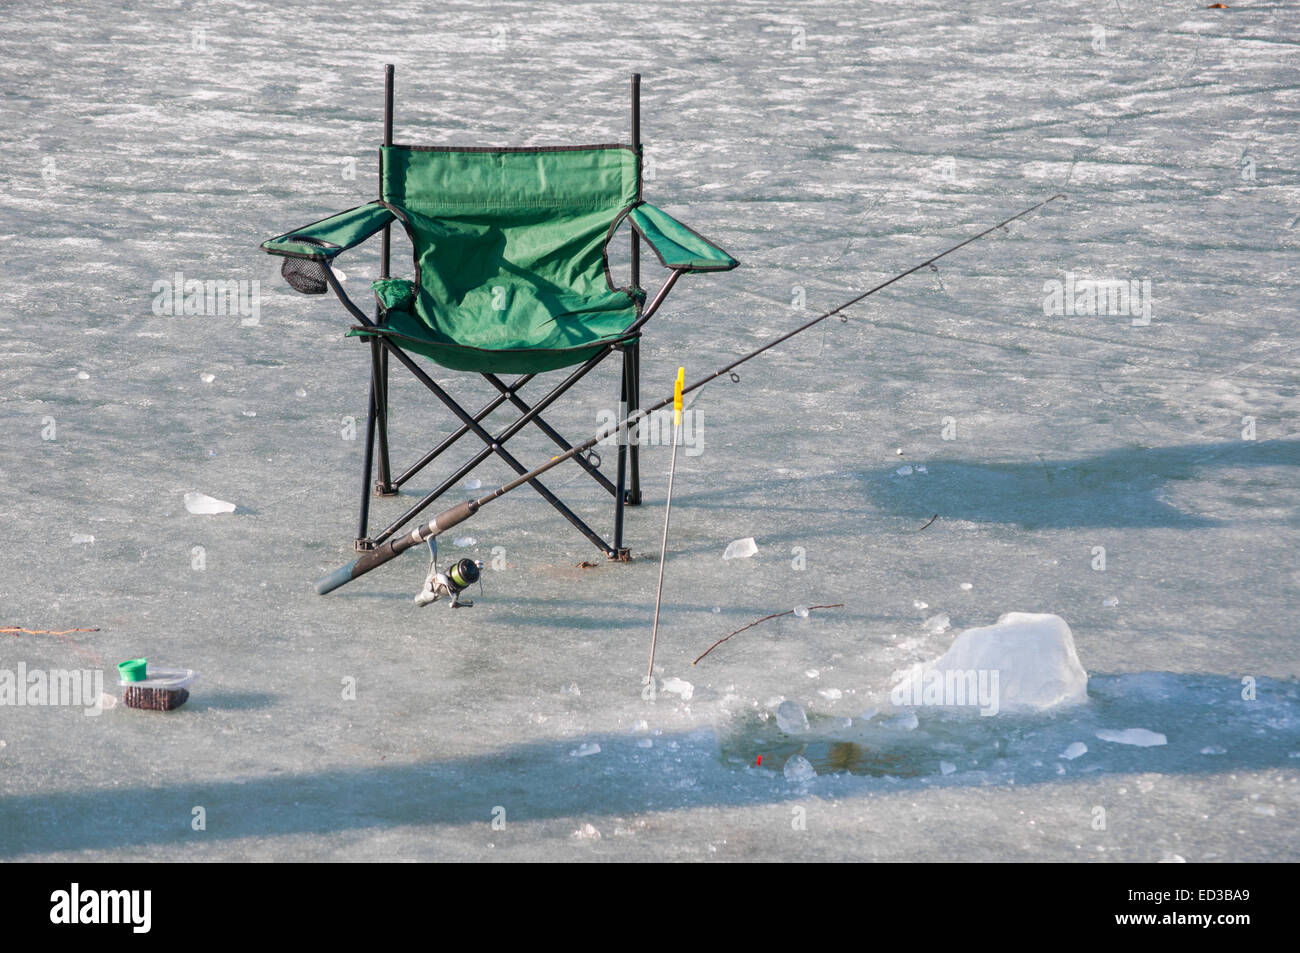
{"points": [[395, 547]]}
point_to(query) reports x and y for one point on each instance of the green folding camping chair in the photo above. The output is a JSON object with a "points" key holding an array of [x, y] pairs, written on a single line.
{"points": [[511, 276]]}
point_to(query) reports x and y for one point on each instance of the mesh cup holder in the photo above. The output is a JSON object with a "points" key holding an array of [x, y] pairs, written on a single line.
{"points": [[304, 274]]}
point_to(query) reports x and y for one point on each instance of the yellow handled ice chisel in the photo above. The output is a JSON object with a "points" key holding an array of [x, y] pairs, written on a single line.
{"points": [[668, 506]]}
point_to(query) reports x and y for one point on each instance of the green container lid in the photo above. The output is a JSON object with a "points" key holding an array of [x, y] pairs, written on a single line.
{"points": [[133, 670]]}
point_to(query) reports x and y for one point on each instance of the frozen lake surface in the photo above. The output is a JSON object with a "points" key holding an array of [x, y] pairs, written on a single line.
{"points": [[827, 146]]}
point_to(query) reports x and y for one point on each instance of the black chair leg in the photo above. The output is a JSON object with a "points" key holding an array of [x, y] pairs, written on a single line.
{"points": [[379, 368], [632, 369], [363, 542], [620, 494]]}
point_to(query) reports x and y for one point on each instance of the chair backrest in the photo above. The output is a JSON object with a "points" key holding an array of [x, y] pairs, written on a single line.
{"points": [[488, 218]]}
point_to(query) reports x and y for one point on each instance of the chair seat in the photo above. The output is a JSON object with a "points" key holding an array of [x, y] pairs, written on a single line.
{"points": [[514, 327]]}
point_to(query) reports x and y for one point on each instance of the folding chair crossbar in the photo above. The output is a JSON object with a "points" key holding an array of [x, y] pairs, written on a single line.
{"points": [[550, 431], [482, 413], [555, 394]]}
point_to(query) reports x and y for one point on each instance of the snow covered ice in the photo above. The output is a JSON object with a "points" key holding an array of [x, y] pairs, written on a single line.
{"points": [[1071, 458]]}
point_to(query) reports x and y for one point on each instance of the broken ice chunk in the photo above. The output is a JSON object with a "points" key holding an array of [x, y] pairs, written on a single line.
{"points": [[937, 623], [947, 767], [1075, 750], [741, 548], [585, 750], [1025, 661], [587, 832], [907, 721], [677, 686], [1214, 749], [1110, 603], [82, 538], [473, 484], [832, 694], [904, 471], [799, 769], [464, 541], [790, 718], [1140, 737], [82, 376], [200, 504], [801, 611], [967, 586], [207, 378]]}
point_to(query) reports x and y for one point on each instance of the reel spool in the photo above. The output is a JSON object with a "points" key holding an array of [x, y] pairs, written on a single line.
{"points": [[449, 584]]}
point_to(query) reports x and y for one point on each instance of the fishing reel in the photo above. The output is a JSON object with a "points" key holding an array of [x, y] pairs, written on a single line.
{"points": [[451, 583]]}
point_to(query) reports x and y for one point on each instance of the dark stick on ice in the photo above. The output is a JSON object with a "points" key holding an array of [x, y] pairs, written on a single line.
{"points": [[372, 559], [929, 521], [774, 615]]}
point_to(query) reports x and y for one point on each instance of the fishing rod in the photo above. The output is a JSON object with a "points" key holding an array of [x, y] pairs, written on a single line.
{"points": [[394, 547]]}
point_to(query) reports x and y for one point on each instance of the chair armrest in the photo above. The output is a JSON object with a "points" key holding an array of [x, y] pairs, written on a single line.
{"points": [[675, 245], [329, 236]]}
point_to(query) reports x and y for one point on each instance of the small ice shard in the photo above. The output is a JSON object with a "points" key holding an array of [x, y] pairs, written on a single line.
{"points": [[585, 750], [831, 694], [104, 702], [340, 275], [741, 548], [947, 767], [918, 604], [207, 378], [300, 392], [899, 451], [1140, 737], [1074, 750], [1110, 603], [967, 586], [249, 413], [473, 484], [717, 609], [640, 725], [1267, 810], [82, 376], [921, 469], [82, 538], [937, 623], [812, 673], [907, 721], [790, 718], [645, 743], [570, 689], [799, 769], [1172, 859], [677, 686], [200, 504], [587, 832], [801, 611], [1214, 749], [869, 714], [464, 541], [904, 471], [1024, 661]]}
